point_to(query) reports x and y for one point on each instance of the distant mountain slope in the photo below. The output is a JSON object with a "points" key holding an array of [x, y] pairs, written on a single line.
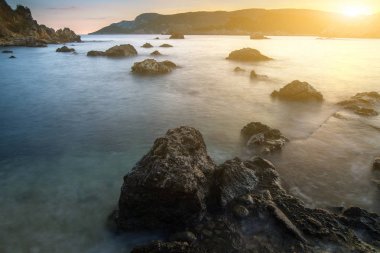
{"points": [[18, 28], [271, 22]]}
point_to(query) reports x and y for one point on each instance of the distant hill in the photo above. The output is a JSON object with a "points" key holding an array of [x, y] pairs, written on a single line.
{"points": [[243, 22], [18, 28]]}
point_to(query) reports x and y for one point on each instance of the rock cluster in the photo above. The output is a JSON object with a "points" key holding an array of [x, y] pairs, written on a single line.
{"points": [[262, 139], [65, 49], [237, 207], [18, 28], [151, 66], [362, 103], [298, 91], [116, 51], [248, 55]]}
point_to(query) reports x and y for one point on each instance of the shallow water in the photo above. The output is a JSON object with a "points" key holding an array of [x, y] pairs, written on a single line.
{"points": [[71, 126]]}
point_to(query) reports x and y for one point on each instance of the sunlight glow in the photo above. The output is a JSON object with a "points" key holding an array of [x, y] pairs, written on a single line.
{"points": [[355, 11]]}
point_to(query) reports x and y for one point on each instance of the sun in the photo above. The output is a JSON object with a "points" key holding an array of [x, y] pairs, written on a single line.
{"points": [[356, 10]]}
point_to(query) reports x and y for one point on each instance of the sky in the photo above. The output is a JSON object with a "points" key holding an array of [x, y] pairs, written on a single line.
{"points": [[90, 15]]}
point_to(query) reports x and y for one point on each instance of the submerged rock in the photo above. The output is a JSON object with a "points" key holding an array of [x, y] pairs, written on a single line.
{"points": [[298, 91], [362, 103], [166, 45], [247, 54], [177, 186], [147, 45], [156, 53], [65, 49], [238, 69], [7, 52], [262, 139], [12, 57], [177, 36], [170, 184], [151, 66], [258, 37], [116, 51]]}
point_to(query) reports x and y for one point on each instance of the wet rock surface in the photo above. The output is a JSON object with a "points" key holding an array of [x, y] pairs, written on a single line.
{"points": [[177, 187], [120, 51], [362, 104], [298, 91], [248, 55], [262, 139], [152, 67], [65, 49]]}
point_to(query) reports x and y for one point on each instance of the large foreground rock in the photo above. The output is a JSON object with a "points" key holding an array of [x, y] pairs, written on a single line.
{"points": [[298, 91], [237, 207], [151, 66], [262, 139], [169, 185], [116, 51], [362, 103], [247, 55]]}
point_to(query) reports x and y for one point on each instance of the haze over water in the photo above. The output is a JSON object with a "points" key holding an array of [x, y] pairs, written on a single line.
{"points": [[72, 126]]}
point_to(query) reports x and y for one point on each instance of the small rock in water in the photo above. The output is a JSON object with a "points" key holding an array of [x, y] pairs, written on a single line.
{"points": [[12, 57], [96, 53], [253, 75], [157, 38], [156, 53], [116, 51], [362, 103], [177, 36], [7, 52], [166, 45], [151, 66], [247, 55], [238, 69], [65, 49], [147, 45], [258, 37], [298, 91]]}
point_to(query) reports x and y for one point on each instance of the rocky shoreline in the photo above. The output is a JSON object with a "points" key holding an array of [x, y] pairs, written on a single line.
{"points": [[238, 206], [18, 28]]}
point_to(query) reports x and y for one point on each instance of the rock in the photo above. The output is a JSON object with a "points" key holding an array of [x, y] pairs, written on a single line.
{"points": [[176, 36], [376, 164], [258, 37], [247, 55], [12, 57], [147, 45], [18, 28], [96, 53], [186, 236], [156, 53], [253, 75], [240, 211], [7, 52], [163, 247], [233, 180], [298, 91], [238, 69], [262, 139], [362, 103], [116, 51], [65, 49], [176, 185], [151, 66], [157, 38], [166, 45], [121, 51], [169, 185]]}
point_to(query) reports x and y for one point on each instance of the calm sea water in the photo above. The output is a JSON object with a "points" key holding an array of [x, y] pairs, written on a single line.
{"points": [[72, 126]]}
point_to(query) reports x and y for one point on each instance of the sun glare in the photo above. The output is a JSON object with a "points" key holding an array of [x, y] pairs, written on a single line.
{"points": [[355, 11]]}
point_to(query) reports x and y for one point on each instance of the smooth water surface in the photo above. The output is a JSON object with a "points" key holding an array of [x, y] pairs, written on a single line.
{"points": [[72, 126]]}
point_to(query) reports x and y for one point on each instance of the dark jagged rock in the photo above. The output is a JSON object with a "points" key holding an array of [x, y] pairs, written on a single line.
{"points": [[65, 49], [238, 69], [247, 55], [7, 52], [156, 53], [166, 45], [116, 51], [362, 103], [376, 164], [151, 66], [258, 37], [96, 53], [262, 139], [254, 75], [18, 28], [147, 45], [176, 186], [298, 91], [169, 185], [177, 36]]}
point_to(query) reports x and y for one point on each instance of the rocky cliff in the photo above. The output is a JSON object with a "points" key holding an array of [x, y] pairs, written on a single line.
{"points": [[18, 28]]}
